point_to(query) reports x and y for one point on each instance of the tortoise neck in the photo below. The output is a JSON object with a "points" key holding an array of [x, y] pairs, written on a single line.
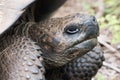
{"points": [[34, 31], [23, 29]]}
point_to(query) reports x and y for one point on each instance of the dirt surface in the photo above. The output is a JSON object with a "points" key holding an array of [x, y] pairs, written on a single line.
{"points": [[111, 67]]}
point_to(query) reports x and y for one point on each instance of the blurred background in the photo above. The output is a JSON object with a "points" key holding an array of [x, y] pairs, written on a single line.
{"points": [[107, 13]]}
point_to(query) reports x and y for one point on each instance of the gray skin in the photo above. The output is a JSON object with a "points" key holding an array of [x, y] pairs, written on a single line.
{"points": [[81, 68], [57, 41]]}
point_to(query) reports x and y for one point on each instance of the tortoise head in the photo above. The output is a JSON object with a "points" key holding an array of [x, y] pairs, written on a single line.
{"points": [[63, 39]]}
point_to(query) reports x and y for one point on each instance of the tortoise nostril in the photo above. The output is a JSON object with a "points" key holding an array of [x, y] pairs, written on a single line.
{"points": [[91, 22], [93, 19]]}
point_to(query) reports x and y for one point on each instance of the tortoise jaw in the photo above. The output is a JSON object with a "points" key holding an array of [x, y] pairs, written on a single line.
{"points": [[58, 55], [71, 53], [81, 48]]}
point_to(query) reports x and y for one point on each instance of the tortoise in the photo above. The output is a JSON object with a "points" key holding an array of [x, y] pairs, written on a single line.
{"points": [[32, 46]]}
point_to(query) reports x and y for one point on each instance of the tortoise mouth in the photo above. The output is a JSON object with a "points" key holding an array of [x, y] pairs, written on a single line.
{"points": [[70, 53], [81, 48]]}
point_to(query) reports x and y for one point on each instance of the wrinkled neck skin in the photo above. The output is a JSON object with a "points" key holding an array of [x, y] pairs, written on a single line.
{"points": [[53, 55]]}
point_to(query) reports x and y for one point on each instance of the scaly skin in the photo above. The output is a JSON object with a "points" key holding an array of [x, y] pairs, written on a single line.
{"points": [[81, 68], [21, 61], [60, 40]]}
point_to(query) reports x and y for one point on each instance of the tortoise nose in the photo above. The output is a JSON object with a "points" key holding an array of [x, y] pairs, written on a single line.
{"points": [[92, 27], [91, 22]]}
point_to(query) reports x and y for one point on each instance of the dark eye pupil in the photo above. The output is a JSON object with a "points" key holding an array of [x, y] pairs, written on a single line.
{"points": [[72, 30]]}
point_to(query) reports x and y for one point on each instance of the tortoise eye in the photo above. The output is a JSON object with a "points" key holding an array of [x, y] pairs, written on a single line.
{"points": [[72, 29]]}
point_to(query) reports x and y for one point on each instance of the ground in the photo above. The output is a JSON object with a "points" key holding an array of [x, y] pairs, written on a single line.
{"points": [[108, 36]]}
